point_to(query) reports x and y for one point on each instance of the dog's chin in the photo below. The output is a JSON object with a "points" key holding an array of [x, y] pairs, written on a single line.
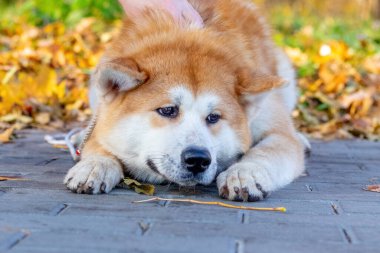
{"points": [[183, 177], [193, 181], [186, 183]]}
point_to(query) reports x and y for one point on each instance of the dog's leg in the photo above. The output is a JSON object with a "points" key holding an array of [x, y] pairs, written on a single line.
{"points": [[98, 171], [275, 161]]}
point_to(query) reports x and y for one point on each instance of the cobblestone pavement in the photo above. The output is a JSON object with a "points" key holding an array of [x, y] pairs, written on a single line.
{"points": [[327, 210]]}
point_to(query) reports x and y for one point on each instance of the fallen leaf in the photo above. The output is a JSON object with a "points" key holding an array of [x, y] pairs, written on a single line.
{"points": [[9, 75], [6, 136], [43, 118], [60, 146], [130, 183], [16, 118], [373, 188]]}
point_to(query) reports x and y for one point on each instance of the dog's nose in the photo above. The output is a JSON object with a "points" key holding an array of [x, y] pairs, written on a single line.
{"points": [[196, 159]]}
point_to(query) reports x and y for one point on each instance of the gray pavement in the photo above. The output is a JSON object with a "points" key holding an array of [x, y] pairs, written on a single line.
{"points": [[327, 210]]}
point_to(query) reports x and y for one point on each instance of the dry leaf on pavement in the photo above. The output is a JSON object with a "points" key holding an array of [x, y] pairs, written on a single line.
{"points": [[130, 183], [373, 188], [6, 136]]}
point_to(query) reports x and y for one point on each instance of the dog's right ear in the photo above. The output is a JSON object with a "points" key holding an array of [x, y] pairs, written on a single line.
{"points": [[117, 75]]}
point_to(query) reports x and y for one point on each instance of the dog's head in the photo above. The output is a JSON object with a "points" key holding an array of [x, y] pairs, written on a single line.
{"points": [[172, 107]]}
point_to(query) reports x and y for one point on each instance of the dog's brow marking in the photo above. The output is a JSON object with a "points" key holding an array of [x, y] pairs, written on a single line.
{"points": [[181, 96], [211, 107], [207, 101]]}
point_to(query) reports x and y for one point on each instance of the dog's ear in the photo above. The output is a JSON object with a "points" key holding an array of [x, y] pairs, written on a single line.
{"points": [[256, 82], [117, 75]]}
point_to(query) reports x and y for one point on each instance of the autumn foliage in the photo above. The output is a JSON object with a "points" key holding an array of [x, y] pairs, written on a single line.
{"points": [[44, 70]]}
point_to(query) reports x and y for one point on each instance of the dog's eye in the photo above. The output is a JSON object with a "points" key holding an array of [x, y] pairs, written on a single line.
{"points": [[213, 118], [168, 112]]}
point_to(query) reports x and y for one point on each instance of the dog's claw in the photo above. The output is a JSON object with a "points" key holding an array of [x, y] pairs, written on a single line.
{"points": [[94, 175], [103, 187], [253, 198], [246, 183]]}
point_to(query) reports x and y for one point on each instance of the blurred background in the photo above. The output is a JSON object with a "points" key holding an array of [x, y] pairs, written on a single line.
{"points": [[47, 49]]}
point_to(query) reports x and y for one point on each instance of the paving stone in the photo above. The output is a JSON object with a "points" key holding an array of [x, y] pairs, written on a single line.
{"points": [[368, 234], [358, 206], [9, 239], [325, 247], [69, 242], [277, 231]]}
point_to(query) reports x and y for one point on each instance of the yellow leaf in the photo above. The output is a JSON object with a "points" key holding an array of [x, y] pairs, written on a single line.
{"points": [[130, 183], [297, 56], [43, 118], [16, 117], [372, 64], [6, 136], [61, 90], [9, 75]]}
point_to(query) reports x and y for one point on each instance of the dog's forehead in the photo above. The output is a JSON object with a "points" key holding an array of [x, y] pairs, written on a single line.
{"points": [[184, 97]]}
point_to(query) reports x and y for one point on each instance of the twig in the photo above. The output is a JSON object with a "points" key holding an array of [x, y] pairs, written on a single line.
{"points": [[215, 203], [12, 178]]}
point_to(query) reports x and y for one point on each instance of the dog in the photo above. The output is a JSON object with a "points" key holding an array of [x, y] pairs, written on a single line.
{"points": [[183, 104]]}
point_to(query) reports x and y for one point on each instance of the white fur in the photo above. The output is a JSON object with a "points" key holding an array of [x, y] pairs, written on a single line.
{"points": [[93, 98], [94, 174], [260, 171], [135, 141], [100, 81], [286, 71], [121, 79]]}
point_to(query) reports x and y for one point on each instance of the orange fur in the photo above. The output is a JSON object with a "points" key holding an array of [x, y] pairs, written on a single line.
{"points": [[233, 58], [220, 58]]}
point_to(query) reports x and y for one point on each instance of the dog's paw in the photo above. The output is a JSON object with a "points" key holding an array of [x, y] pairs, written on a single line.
{"points": [[94, 175], [244, 182]]}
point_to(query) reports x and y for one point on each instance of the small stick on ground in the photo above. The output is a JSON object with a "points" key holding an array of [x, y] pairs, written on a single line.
{"points": [[215, 203], [12, 178]]}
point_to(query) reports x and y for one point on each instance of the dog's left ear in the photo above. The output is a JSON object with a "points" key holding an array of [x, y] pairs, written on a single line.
{"points": [[256, 82], [114, 76]]}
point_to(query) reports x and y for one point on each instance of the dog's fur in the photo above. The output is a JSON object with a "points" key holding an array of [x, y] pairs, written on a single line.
{"points": [[231, 68]]}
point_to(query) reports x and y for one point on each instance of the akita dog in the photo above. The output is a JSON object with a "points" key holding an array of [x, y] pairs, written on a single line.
{"points": [[183, 104]]}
